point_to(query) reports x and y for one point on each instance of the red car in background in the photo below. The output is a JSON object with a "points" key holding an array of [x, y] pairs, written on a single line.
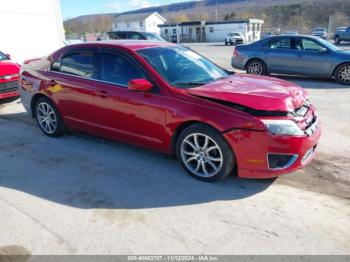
{"points": [[168, 98], [9, 72]]}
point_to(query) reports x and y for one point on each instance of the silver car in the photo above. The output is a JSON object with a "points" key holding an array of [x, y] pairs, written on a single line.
{"points": [[320, 32], [294, 55]]}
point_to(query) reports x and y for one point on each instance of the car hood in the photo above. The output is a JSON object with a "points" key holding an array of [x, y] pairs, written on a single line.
{"points": [[8, 67], [257, 92]]}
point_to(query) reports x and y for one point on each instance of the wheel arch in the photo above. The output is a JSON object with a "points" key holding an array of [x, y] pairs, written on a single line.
{"points": [[35, 98], [255, 58], [182, 127], [337, 67]]}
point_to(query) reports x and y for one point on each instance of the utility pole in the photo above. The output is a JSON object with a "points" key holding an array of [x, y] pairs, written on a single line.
{"points": [[330, 25], [216, 11]]}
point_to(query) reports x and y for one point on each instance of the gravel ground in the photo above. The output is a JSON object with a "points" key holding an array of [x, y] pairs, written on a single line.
{"points": [[85, 195]]}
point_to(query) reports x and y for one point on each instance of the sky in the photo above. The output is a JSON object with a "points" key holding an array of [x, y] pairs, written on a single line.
{"points": [[74, 8]]}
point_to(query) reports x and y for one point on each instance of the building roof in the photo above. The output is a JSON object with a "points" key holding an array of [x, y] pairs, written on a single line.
{"points": [[135, 17], [259, 21]]}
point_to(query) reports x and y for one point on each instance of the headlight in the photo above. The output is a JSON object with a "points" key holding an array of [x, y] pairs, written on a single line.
{"points": [[283, 127]]}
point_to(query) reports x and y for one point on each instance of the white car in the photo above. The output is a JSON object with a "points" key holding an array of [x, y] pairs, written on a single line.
{"points": [[234, 39], [320, 32]]}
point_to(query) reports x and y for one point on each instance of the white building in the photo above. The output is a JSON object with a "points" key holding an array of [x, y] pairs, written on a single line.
{"points": [[146, 22], [204, 31], [30, 28]]}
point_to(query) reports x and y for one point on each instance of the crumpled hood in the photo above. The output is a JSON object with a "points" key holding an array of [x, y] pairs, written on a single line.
{"points": [[7, 67], [258, 92]]}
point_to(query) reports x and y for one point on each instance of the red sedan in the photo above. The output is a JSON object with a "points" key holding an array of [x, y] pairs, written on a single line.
{"points": [[168, 98], [8, 77]]}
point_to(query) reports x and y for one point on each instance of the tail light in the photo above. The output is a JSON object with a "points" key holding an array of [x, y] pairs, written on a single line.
{"points": [[235, 52]]}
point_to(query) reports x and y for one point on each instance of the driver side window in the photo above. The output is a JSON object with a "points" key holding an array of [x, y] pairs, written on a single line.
{"points": [[310, 45], [119, 69]]}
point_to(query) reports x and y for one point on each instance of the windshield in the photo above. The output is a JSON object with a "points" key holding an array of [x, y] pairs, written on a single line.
{"points": [[3, 56], [182, 67], [154, 37]]}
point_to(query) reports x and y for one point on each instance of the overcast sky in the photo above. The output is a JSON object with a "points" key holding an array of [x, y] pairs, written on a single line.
{"points": [[73, 8]]}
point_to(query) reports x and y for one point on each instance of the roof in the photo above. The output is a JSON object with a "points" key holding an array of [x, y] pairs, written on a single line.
{"points": [[129, 44], [136, 17], [259, 21]]}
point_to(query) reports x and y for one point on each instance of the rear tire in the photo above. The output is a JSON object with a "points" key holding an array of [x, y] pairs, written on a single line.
{"points": [[204, 153], [256, 67], [342, 74], [48, 118]]}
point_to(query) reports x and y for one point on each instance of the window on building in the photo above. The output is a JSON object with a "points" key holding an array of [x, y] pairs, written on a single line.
{"points": [[190, 31], [127, 25], [174, 31], [211, 29], [166, 31], [141, 24]]}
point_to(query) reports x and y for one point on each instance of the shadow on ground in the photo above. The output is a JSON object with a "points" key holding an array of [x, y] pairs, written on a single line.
{"points": [[87, 172], [312, 82]]}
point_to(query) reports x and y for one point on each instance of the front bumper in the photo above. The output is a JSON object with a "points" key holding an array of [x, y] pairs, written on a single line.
{"points": [[253, 147]]}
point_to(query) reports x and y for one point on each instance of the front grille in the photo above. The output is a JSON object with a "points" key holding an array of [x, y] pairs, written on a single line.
{"points": [[8, 87]]}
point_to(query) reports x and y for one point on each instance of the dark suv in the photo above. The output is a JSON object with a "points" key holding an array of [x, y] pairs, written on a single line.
{"points": [[135, 35]]}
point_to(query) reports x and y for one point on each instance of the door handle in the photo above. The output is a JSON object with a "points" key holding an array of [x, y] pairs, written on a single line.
{"points": [[102, 93]]}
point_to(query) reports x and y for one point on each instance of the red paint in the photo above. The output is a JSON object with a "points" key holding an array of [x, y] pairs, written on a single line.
{"points": [[10, 69], [151, 119]]}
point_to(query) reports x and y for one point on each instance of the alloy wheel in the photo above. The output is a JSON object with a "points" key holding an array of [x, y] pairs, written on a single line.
{"points": [[344, 74], [255, 68], [47, 118], [201, 155]]}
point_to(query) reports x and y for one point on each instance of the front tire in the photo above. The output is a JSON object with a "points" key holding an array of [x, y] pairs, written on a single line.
{"points": [[256, 67], [204, 153], [342, 74], [48, 118]]}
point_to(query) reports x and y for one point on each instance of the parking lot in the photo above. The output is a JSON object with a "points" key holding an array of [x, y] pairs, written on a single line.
{"points": [[84, 195]]}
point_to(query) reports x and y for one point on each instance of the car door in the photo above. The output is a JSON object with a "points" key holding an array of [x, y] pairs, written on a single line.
{"points": [[70, 84], [347, 34], [135, 117], [311, 58], [278, 54]]}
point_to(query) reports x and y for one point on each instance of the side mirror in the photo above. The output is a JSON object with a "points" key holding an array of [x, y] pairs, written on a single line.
{"points": [[322, 50], [9, 56], [139, 85]]}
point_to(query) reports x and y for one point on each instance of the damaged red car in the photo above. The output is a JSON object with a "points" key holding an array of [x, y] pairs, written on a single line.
{"points": [[8, 77], [168, 98]]}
